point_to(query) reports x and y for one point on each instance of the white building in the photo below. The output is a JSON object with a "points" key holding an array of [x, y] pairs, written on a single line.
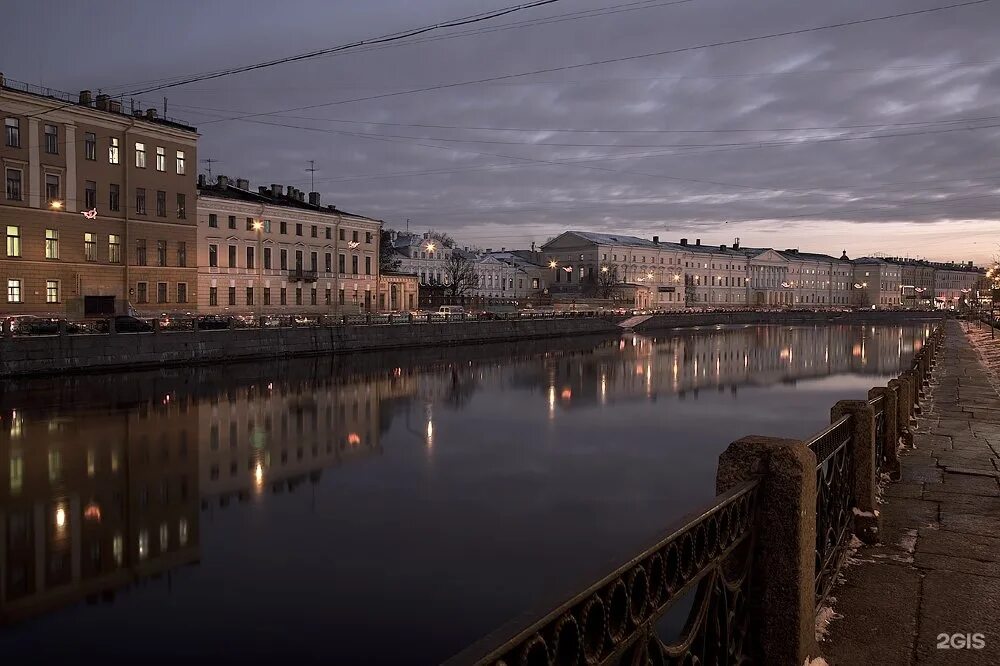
{"points": [[422, 255], [506, 278]]}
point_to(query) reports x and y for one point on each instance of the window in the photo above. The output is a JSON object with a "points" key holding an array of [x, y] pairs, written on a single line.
{"points": [[51, 187], [13, 291], [342, 235], [267, 295], [213, 256], [329, 262], [368, 237], [161, 158], [232, 221], [283, 227], [298, 229], [312, 297], [13, 241], [354, 264], [140, 155], [368, 265], [161, 253], [12, 126], [113, 151], [140, 293], [250, 224], [140, 200], [267, 258], [161, 292], [90, 195], [283, 295], [354, 236], [182, 254], [250, 258], [213, 295], [232, 256], [283, 258], [267, 226], [315, 231], [232, 295], [340, 296], [341, 263], [298, 295], [52, 139], [213, 220], [249, 295], [14, 184], [329, 233], [161, 203], [90, 146], [114, 249], [51, 243], [313, 261], [113, 191], [534, 283], [140, 252], [181, 206], [180, 162], [90, 246], [182, 292]]}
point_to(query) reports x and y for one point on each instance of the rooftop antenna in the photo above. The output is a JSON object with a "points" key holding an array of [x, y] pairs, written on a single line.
{"points": [[164, 108], [312, 175], [210, 162]]}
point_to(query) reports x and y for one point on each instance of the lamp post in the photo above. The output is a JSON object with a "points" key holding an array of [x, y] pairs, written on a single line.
{"points": [[258, 226]]}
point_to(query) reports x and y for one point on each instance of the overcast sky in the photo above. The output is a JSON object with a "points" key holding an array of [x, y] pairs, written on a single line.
{"points": [[931, 191]]}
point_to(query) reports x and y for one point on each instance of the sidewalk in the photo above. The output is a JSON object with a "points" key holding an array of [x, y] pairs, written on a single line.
{"points": [[937, 570]]}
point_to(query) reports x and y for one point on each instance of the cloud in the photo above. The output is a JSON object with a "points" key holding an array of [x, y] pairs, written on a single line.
{"points": [[929, 191]]}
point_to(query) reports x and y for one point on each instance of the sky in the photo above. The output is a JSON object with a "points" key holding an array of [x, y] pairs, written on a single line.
{"points": [[876, 138]]}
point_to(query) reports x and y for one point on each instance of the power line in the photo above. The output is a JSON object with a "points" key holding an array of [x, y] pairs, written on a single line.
{"points": [[474, 18], [547, 70]]}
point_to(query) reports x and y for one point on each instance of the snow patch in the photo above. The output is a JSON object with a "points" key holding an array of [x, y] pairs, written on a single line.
{"points": [[909, 541], [824, 617], [865, 514], [818, 661]]}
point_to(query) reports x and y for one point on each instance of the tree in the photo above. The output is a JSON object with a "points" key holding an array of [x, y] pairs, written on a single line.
{"points": [[388, 260], [442, 238], [461, 274], [608, 282]]}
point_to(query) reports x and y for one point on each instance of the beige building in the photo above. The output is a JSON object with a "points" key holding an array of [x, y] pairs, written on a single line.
{"points": [[271, 251], [398, 292], [877, 283], [98, 207]]}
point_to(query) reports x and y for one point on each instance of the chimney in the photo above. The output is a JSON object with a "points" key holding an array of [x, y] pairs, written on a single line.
{"points": [[736, 243], [503, 249], [223, 182], [332, 207], [722, 247], [85, 97], [314, 198], [263, 190], [151, 114], [301, 195], [656, 240], [102, 102], [684, 241], [697, 241], [425, 235], [243, 183], [275, 190], [201, 180], [532, 246], [115, 105]]}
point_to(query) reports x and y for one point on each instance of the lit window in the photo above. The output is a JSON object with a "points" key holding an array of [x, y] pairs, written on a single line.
{"points": [[51, 243], [52, 139], [90, 146], [180, 162], [51, 188], [13, 291], [140, 155], [52, 291], [13, 132], [90, 246], [161, 158], [113, 151], [13, 241]]}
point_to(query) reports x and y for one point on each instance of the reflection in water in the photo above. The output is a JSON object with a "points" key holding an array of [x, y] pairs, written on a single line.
{"points": [[110, 480]]}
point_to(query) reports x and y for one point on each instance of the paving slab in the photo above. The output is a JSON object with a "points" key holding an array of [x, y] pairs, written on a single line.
{"points": [[958, 603]]}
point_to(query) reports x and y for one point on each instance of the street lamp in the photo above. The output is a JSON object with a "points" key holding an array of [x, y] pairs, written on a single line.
{"points": [[258, 226], [55, 204]]}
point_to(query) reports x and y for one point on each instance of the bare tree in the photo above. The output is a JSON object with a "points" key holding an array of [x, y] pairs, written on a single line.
{"points": [[442, 238], [388, 260], [461, 274], [608, 282]]}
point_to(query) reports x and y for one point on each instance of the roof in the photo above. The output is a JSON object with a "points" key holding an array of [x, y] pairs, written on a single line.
{"points": [[797, 254], [613, 239], [238, 194]]}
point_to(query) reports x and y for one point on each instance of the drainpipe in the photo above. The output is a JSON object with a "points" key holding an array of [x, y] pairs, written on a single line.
{"points": [[335, 298], [125, 238]]}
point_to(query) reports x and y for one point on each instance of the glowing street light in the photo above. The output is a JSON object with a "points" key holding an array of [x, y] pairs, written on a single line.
{"points": [[431, 247], [604, 269], [56, 205], [553, 263]]}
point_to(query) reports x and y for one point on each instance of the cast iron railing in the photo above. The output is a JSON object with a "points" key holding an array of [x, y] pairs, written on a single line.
{"points": [[834, 501], [614, 620], [881, 446]]}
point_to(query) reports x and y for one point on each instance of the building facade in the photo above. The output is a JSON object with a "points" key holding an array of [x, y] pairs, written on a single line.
{"points": [[98, 208], [398, 292], [877, 283], [271, 251], [422, 255]]}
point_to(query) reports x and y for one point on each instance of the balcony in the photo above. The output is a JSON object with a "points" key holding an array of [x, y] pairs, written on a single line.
{"points": [[302, 275]]}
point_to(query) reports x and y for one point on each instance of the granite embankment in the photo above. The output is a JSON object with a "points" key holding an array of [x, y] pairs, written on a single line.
{"points": [[48, 354]]}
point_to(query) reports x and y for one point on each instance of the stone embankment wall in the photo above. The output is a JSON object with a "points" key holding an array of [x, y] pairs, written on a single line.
{"points": [[686, 320]]}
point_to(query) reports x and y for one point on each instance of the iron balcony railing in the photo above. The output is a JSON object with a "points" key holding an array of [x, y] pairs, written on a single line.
{"points": [[303, 275], [614, 619]]}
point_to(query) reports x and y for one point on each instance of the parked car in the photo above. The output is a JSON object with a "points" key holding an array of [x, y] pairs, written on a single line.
{"points": [[450, 312], [36, 325], [125, 324], [213, 322]]}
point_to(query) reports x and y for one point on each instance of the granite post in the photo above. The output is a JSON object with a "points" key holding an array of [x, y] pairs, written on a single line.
{"points": [[866, 518]]}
